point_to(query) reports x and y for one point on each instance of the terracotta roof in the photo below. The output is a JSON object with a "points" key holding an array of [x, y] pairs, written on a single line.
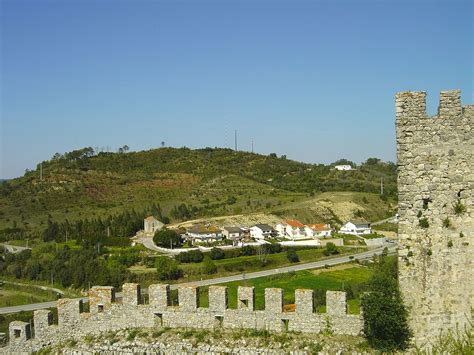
{"points": [[294, 223], [319, 227], [150, 218]]}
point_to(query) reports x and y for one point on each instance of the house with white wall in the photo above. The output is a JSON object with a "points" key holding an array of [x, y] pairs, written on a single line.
{"points": [[291, 229], [343, 167], [319, 230], [356, 228], [204, 233], [262, 231]]}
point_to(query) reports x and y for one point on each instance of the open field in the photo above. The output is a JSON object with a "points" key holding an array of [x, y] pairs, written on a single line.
{"points": [[14, 295]]}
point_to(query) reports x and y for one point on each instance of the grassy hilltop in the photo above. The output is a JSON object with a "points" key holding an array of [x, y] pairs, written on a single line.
{"points": [[210, 182]]}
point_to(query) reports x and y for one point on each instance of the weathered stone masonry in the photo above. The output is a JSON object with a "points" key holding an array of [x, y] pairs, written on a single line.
{"points": [[436, 224], [106, 314]]}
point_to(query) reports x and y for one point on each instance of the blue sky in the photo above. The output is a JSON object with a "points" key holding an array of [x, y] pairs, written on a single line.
{"points": [[314, 80]]}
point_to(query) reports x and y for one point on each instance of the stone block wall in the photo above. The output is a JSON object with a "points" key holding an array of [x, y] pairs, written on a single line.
{"points": [[74, 324], [436, 214]]}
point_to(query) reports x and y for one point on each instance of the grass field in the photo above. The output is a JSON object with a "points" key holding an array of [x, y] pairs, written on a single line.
{"points": [[338, 279], [14, 295]]}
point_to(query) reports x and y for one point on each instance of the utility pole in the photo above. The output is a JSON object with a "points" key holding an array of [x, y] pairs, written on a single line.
{"points": [[41, 171], [252, 145], [235, 139], [381, 186], [108, 231]]}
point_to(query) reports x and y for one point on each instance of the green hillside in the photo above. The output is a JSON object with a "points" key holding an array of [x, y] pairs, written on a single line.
{"points": [[210, 182]]}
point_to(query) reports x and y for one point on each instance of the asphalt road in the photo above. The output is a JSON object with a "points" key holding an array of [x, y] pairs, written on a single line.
{"points": [[297, 267]]}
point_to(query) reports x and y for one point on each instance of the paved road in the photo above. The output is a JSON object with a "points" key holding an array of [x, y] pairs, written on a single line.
{"points": [[313, 265]]}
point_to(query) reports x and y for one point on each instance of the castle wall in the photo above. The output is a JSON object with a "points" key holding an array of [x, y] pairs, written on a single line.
{"points": [[436, 214], [129, 313]]}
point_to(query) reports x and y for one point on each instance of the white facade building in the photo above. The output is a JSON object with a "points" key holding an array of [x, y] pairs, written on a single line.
{"points": [[262, 231], [319, 230], [343, 167], [356, 228]]}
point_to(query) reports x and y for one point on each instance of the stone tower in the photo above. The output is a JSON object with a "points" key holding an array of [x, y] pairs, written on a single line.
{"points": [[436, 211]]}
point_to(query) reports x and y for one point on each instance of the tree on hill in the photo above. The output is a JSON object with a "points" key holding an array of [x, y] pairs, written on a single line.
{"points": [[167, 238], [385, 316], [372, 161]]}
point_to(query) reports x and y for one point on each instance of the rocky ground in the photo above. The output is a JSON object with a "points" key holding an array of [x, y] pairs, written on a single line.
{"points": [[179, 341]]}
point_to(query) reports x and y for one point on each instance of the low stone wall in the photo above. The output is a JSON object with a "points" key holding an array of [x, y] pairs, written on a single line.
{"points": [[339, 242], [375, 242], [106, 314]]}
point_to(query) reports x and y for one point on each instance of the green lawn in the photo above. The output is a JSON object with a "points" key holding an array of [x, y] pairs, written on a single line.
{"points": [[14, 295], [337, 280]]}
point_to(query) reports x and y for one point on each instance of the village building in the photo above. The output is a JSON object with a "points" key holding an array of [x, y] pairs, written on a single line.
{"points": [[356, 228], [291, 229], [262, 231], [204, 233], [319, 230], [343, 167], [151, 225]]}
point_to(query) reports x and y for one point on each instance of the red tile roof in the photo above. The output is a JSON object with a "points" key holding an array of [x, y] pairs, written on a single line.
{"points": [[319, 227], [294, 223]]}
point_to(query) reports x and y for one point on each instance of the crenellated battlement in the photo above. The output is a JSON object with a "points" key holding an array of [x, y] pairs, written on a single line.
{"points": [[412, 105], [107, 313]]}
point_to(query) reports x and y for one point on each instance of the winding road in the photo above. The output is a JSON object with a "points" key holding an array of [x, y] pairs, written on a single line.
{"points": [[245, 276]]}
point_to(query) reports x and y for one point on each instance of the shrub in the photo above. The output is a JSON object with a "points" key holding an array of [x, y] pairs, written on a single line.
{"points": [[217, 254], [192, 256], [450, 244], [208, 266], [247, 250], [459, 208], [446, 222], [330, 249], [423, 223], [385, 316], [167, 268], [292, 256]]}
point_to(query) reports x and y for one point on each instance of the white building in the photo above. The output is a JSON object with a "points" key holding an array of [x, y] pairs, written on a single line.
{"points": [[204, 233], [292, 229], [356, 228], [343, 167], [262, 231], [151, 225], [319, 230]]}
